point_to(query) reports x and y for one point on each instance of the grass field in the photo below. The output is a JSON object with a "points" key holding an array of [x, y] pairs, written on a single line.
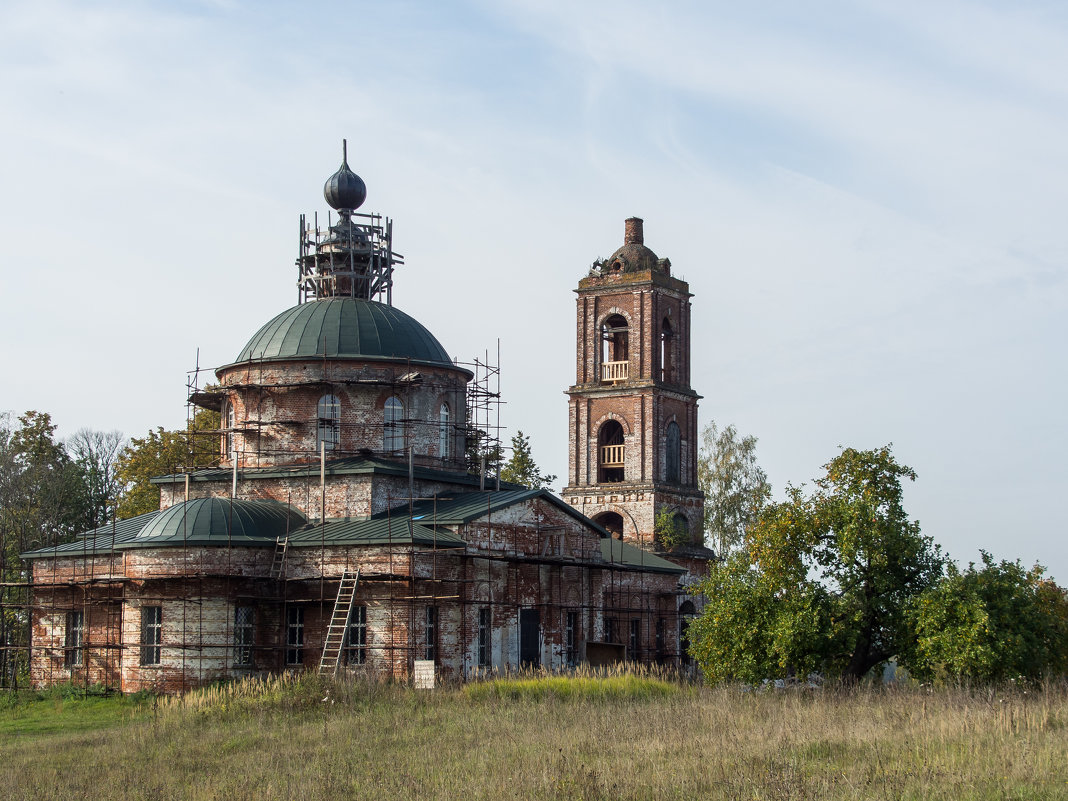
{"points": [[629, 736]]}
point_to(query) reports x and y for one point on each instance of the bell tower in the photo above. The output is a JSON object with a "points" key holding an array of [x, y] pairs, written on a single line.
{"points": [[633, 415]]}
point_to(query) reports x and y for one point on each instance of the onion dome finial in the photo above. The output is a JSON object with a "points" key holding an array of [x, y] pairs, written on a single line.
{"points": [[345, 190]]}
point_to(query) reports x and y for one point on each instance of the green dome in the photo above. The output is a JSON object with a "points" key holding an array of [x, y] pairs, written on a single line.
{"points": [[347, 328], [219, 521]]}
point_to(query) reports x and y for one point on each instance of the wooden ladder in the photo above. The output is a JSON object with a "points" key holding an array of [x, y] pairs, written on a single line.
{"points": [[278, 566], [339, 624]]}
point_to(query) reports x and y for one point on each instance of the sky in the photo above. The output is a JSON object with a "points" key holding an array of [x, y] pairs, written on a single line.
{"points": [[867, 199]]}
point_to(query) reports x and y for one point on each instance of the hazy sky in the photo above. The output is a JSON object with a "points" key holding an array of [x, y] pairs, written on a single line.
{"points": [[867, 199]]}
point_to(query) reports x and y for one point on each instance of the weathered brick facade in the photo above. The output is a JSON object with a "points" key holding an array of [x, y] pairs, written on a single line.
{"points": [[632, 381], [344, 425]]}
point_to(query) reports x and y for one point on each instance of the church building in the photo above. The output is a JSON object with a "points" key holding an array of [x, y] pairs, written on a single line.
{"points": [[343, 529]]}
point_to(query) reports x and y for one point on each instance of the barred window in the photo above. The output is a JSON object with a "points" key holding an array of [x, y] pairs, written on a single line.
{"points": [[571, 637], [72, 654], [328, 426], [485, 650], [356, 637], [295, 635], [430, 651], [393, 439], [635, 638], [444, 436], [151, 634], [244, 634]]}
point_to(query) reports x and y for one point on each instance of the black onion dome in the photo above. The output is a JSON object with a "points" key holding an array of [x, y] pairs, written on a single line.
{"points": [[345, 189]]}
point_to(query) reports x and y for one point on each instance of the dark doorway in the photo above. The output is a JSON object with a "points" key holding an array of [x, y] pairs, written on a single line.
{"points": [[529, 638]]}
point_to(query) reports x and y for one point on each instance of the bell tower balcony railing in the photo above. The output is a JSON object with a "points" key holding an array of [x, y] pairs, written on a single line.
{"points": [[612, 455], [614, 371]]}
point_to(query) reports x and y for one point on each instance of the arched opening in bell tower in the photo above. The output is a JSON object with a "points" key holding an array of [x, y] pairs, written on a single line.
{"points": [[667, 352], [610, 452], [672, 453], [614, 348], [612, 522]]}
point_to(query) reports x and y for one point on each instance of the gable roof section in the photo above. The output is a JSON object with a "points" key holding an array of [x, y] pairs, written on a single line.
{"points": [[464, 507], [376, 531]]}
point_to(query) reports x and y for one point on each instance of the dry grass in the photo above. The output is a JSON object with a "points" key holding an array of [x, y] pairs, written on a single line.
{"points": [[287, 739]]}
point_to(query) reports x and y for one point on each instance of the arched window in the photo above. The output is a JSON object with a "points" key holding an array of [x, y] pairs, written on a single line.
{"points": [[328, 423], [611, 458], [393, 439], [672, 453], [444, 432], [611, 522], [614, 349], [667, 352]]}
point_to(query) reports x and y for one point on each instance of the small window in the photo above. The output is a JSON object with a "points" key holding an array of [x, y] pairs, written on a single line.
{"points": [[635, 638], [295, 635], [485, 652], [571, 637], [430, 649], [151, 634], [244, 634], [672, 453], [72, 654], [231, 423], [444, 432], [610, 632], [356, 637], [393, 440], [328, 426]]}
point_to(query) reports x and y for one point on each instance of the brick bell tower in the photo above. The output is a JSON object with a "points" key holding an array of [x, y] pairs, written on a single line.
{"points": [[633, 415]]}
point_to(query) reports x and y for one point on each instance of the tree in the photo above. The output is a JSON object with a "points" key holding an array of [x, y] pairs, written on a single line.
{"points": [[96, 453], [825, 580], [521, 468], [991, 623], [161, 453], [736, 488], [42, 502]]}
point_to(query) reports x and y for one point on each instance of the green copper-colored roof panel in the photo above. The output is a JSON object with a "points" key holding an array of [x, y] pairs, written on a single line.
{"points": [[461, 507], [344, 328], [112, 536], [376, 531], [629, 555], [219, 521]]}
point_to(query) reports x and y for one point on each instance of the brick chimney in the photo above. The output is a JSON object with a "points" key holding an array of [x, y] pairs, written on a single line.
{"points": [[632, 231]]}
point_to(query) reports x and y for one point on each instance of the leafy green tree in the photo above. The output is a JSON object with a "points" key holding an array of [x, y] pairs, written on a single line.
{"points": [[161, 453], [990, 623], [824, 580], [736, 488], [42, 502], [521, 468]]}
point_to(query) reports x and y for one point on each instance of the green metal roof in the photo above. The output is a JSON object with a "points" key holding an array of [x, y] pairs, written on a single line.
{"points": [[346, 328], [453, 509], [376, 531], [623, 553], [114, 535], [219, 521]]}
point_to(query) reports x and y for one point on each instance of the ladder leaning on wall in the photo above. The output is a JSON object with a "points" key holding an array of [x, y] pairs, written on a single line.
{"points": [[339, 624]]}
